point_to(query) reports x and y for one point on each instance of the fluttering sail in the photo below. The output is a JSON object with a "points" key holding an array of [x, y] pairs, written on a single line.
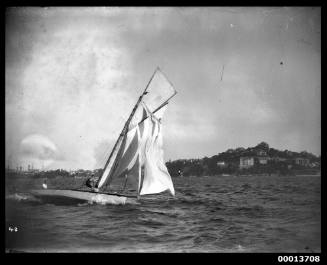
{"points": [[137, 157], [156, 178]]}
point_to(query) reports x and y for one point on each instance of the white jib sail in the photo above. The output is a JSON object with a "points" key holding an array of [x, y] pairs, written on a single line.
{"points": [[106, 171], [156, 178]]}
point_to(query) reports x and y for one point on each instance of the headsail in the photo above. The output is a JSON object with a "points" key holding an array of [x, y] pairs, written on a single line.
{"points": [[156, 178]]}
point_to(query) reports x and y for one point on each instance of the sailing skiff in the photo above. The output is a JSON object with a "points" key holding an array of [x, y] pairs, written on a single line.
{"points": [[80, 196], [135, 166]]}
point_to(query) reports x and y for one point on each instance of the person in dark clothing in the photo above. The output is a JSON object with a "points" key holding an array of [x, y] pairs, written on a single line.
{"points": [[91, 183]]}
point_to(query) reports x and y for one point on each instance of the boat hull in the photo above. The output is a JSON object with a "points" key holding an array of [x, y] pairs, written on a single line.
{"points": [[79, 196]]}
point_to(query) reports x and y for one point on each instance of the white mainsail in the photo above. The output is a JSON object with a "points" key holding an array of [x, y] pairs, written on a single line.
{"points": [[128, 153], [140, 144], [129, 140], [131, 150], [142, 147]]}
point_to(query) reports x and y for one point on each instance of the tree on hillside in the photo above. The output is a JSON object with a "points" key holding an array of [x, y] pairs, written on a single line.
{"points": [[262, 146]]}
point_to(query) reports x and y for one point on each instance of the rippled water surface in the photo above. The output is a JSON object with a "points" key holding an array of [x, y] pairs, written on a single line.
{"points": [[208, 214]]}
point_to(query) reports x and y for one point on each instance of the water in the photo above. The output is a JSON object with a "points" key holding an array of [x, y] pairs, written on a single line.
{"points": [[208, 214]]}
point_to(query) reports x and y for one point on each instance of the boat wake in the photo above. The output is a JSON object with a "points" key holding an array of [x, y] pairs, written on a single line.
{"points": [[22, 197], [99, 200], [103, 200]]}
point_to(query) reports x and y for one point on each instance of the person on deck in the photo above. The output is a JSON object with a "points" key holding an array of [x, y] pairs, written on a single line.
{"points": [[91, 183]]}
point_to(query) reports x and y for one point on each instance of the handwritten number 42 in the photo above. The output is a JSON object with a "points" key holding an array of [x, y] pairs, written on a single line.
{"points": [[13, 229]]}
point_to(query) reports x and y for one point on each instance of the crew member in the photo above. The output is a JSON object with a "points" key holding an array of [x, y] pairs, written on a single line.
{"points": [[91, 183]]}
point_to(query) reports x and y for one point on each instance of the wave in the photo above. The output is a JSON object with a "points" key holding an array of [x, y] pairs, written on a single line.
{"points": [[238, 248], [250, 208], [22, 197], [84, 203]]}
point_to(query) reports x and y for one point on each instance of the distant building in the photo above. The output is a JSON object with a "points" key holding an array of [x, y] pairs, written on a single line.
{"points": [[302, 161], [261, 153], [263, 160], [278, 159], [246, 162], [221, 164]]}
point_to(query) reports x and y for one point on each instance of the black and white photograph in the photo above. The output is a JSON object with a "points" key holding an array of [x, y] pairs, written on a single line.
{"points": [[163, 130]]}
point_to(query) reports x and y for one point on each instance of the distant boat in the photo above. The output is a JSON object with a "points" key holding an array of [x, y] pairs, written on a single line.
{"points": [[135, 166]]}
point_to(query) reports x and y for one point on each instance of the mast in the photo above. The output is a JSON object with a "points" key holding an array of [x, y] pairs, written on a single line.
{"points": [[123, 132]]}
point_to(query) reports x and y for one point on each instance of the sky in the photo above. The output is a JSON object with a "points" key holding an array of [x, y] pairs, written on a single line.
{"points": [[243, 75]]}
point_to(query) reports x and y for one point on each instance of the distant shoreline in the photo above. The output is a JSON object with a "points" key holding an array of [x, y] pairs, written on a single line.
{"points": [[252, 175]]}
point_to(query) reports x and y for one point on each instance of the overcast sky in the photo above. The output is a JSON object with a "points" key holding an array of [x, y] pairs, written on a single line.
{"points": [[243, 75]]}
